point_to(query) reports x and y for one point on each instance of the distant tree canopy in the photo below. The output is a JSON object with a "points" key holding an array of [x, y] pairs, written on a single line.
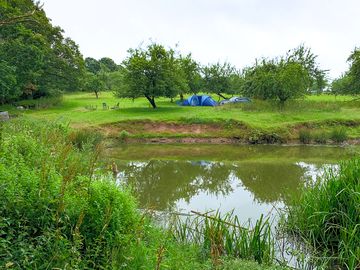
{"points": [[191, 71], [219, 79], [284, 78], [349, 83], [152, 72], [36, 60]]}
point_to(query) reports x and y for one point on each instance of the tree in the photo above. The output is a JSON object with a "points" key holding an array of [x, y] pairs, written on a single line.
{"points": [[302, 55], [280, 80], [45, 62], [94, 83], [354, 72], [284, 78], [108, 64], [191, 73], [92, 65], [349, 82], [217, 78], [341, 85], [8, 88], [151, 72]]}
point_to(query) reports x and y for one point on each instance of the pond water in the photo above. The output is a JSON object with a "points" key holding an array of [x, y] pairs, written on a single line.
{"points": [[251, 180]]}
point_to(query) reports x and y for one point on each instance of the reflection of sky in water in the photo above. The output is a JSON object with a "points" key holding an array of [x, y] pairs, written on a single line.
{"points": [[250, 189]]}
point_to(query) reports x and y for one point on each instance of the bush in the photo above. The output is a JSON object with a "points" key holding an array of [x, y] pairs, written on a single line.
{"points": [[259, 137], [40, 103], [327, 217], [320, 137], [339, 135], [123, 135], [55, 211], [304, 136], [83, 138]]}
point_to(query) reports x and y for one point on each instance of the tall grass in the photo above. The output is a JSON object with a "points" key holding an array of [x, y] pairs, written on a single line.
{"points": [[56, 211], [327, 217], [223, 235]]}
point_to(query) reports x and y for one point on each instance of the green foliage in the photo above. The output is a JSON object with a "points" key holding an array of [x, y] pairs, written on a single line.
{"points": [[278, 80], [223, 235], [284, 78], [94, 83], [192, 75], [327, 216], [40, 103], [339, 135], [320, 137], [219, 79], [55, 210], [305, 136], [349, 82], [152, 72], [8, 84], [35, 57], [341, 85], [123, 135], [92, 65]]}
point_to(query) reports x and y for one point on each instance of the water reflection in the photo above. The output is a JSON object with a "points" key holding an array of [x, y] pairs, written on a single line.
{"points": [[249, 179], [161, 184]]}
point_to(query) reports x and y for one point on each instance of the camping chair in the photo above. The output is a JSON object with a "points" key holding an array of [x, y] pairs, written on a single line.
{"points": [[116, 106], [105, 107]]}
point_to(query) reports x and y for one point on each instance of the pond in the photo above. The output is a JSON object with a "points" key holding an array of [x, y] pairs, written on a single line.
{"points": [[251, 180]]}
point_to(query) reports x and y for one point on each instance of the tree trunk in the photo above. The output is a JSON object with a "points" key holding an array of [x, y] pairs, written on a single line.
{"points": [[181, 96], [96, 94], [220, 95], [151, 100]]}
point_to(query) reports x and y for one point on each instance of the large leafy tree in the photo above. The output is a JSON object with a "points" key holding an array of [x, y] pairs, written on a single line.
{"points": [[284, 78], [152, 72], [349, 82], [44, 61], [218, 78], [191, 71], [317, 77], [277, 80]]}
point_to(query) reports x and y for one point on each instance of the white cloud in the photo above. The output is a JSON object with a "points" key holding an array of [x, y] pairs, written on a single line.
{"points": [[236, 31]]}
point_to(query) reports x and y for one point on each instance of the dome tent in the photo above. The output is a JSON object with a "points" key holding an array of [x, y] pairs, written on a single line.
{"points": [[199, 101]]}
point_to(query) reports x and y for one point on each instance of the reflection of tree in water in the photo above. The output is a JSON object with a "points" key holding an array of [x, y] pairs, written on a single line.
{"points": [[270, 182], [160, 184]]}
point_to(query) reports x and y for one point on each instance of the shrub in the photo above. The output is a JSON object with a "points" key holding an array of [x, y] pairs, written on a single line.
{"points": [[320, 137], [123, 135], [83, 138], [259, 137], [327, 216], [304, 136], [339, 135], [55, 210]]}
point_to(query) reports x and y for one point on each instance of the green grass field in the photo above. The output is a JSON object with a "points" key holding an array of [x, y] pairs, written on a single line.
{"points": [[320, 112]]}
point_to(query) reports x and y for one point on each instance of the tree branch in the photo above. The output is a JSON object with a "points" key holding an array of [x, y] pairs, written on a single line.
{"points": [[21, 18]]}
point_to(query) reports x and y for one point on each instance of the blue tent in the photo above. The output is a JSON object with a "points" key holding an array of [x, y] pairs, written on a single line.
{"points": [[199, 101]]}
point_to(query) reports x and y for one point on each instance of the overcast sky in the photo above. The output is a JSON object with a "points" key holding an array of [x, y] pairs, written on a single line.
{"points": [[237, 31]]}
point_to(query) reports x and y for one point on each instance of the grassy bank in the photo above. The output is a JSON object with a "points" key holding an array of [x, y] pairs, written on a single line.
{"points": [[257, 122], [59, 211], [326, 218]]}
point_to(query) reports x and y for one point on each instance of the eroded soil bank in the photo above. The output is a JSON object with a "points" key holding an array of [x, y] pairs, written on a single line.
{"points": [[229, 132]]}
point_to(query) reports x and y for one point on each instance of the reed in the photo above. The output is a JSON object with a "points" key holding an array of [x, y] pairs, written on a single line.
{"points": [[327, 217], [223, 235]]}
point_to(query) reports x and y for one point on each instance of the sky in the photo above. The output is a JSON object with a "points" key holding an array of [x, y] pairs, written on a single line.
{"points": [[237, 31]]}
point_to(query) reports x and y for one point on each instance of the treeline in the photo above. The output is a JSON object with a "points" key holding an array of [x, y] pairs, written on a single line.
{"points": [[36, 60]]}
